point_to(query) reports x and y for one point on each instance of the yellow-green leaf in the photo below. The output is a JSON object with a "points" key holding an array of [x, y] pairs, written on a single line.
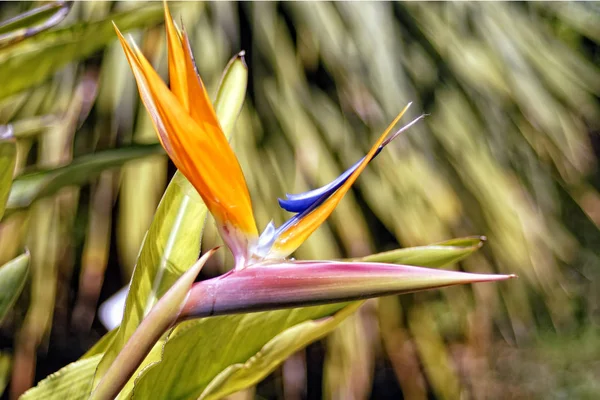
{"points": [[8, 154], [215, 344], [161, 317], [242, 375], [13, 276], [434, 255], [102, 344], [70, 382], [21, 66], [30, 186], [32, 22], [5, 364]]}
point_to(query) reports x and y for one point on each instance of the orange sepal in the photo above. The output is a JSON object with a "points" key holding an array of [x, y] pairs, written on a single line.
{"points": [[290, 239], [196, 143]]}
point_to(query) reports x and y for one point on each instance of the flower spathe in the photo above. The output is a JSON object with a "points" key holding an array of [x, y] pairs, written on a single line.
{"points": [[288, 284]]}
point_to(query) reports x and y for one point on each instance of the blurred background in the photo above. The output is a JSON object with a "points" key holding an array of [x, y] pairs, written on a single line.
{"points": [[509, 151]]}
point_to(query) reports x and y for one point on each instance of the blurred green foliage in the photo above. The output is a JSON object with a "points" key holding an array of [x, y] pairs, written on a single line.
{"points": [[509, 151]]}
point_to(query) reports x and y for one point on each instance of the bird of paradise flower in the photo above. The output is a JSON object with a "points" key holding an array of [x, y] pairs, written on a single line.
{"points": [[263, 278]]}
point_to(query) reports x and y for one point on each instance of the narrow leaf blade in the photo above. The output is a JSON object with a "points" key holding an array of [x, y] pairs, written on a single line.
{"points": [[70, 382], [216, 339], [435, 255], [8, 155], [152, 327], [32, 22], [13, 276], [33, 185], [242, 375], [19, 64]]}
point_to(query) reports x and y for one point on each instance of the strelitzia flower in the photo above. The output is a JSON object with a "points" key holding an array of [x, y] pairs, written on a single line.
{"points": [[189, 131], [263, 278]]}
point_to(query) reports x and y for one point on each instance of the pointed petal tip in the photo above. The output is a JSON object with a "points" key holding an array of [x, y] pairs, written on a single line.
{"points": [[241, 56], [491, 277], [212, 251], [117, 30], [482, 241]]}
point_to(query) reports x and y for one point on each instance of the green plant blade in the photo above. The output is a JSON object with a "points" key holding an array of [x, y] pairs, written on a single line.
{"points": [[20, 66], [30, 127], [70, 382], [30, 186], [225, 341], [161, 317], [172, 243], [229, 97], [101, 345], [8, 156], [5, 366], [13, 276], [242, 375], [435, 255], [33, 22]]}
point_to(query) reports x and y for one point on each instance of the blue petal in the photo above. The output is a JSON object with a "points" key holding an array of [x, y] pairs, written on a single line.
{"points": [[299, 203]]}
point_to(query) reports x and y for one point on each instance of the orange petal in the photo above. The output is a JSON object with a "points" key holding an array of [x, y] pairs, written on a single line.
{"points": [[177, 67], [199, 149], [184, 79], [200, 104], [146, 96], [290, 239]]}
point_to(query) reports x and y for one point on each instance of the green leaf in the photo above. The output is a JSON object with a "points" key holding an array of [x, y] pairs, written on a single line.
{"points": [[435, 255], [229, 97], [13, 276], [30, 186], [243, 375], [34, 60], [160, 318], [102, 345], [5, 366], [30, 127], [70, 382], [172, 243], [215, 344], [33, 22], [8, 155], [256, 339]]}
